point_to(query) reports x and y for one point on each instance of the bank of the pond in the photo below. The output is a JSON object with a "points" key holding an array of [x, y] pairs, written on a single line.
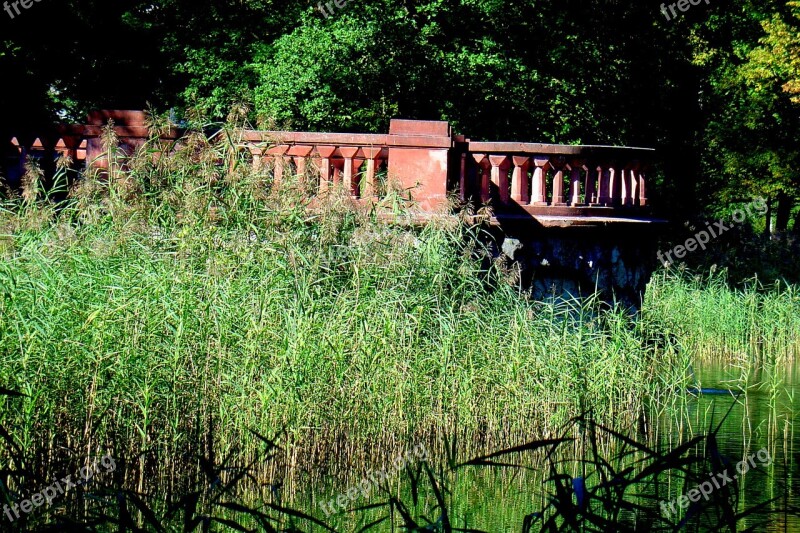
{"points": [[750, 326]]}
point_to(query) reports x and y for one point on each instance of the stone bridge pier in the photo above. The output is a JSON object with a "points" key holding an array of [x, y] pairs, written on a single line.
{"points": [[613, 263]]}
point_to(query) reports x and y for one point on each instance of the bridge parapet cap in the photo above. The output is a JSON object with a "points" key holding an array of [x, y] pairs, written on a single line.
{"points": [[428, 128], [560, 149]]}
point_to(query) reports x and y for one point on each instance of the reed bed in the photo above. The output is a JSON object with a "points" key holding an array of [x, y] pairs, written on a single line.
{"points": [[179, 306], [141, 340], [175, 296], [753, 325]]}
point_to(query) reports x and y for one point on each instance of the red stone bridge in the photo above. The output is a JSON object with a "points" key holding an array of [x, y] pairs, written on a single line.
{"points": [[555, 185]]}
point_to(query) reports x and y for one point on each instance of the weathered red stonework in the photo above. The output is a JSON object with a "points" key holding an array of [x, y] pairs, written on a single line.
{"points": [[556, 185], [418, 160], [574, 218]]}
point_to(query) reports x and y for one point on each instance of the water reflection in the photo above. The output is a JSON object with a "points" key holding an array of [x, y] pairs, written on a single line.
{"points": [[763, 416]]}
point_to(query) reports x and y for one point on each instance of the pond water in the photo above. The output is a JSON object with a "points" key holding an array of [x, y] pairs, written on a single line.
{"points": [[756, 418], [763, 418]]}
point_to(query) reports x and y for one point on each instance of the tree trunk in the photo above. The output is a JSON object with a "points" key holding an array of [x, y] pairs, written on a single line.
{"points": [[783, 212], [768, 218]]}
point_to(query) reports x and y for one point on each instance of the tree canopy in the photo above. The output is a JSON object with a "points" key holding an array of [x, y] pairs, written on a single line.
{"points": [[716, 89]]}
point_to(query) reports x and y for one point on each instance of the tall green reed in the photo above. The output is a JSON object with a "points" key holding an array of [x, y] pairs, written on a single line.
{"points": [[185, 288]]}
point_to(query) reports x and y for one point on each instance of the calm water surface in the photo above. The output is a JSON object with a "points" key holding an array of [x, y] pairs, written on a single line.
{"points": [[763, 417]]}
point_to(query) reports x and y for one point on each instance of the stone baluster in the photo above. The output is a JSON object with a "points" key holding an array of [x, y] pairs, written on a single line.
{"points": [[500, 165], [29, 146], [373, 163], [629, 184], [592, 179], [575, 167], [61, 148], [23, 154], [358, 176], [72, 144], [485, 168], [324, 165], [299, 155], [256, 152], [604, 178], [539, 196], [279, 163], [80, 153], [338, 167], [519, 180], [615, 176], [624, 185], [558, 164], [17, 148], [38, 145], [348, 182], [463, 189], [642, 189]]}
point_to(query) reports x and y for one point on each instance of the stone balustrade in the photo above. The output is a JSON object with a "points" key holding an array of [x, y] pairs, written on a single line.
{"points": [[414, 154], [424, 158], [546, 178], [83, 144]]}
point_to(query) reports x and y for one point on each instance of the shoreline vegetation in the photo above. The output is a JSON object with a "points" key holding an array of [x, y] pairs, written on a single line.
{"points": [[179, 307]]}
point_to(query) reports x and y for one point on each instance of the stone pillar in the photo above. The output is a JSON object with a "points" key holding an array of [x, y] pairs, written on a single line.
{"points": [[500, 166], [418, 159], [519, 180], [539, 196]]}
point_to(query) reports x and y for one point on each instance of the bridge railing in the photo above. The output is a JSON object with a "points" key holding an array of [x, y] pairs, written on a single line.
{"points": [[422, 157], [82, 143], [333, 159], [536, 176]]}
